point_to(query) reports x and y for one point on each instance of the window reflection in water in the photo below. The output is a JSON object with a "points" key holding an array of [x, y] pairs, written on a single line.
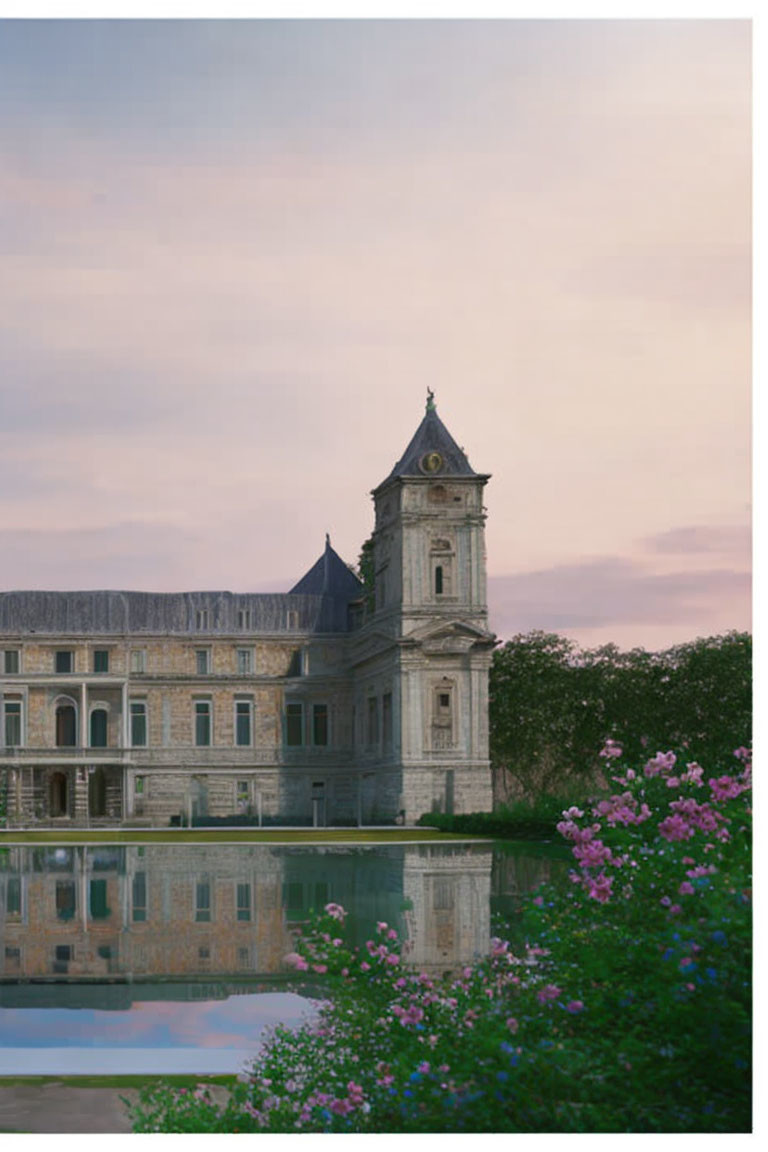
{"points": [[186, 912]]}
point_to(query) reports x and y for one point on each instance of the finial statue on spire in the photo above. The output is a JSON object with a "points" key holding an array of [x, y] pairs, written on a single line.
{"points": [[327, 539], [430, 400]]}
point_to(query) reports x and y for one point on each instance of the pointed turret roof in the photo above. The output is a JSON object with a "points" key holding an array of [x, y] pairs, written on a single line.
{"points": [[431, 437], [329, 576]]}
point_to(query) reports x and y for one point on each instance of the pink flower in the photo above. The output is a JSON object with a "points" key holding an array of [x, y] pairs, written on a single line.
{"points": [[611, 750], [365, 966], [574, 1006], [321, 968], [661, 764], [600, 888], [675, 828], [725, 788], [293, 960], [392, 934], [548, 992], [512, 1024], [381, 926], [336, 911], [686, 888], [423, 1068]]}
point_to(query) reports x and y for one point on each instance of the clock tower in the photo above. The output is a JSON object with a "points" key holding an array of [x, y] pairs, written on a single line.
{"points": [[426, 648]]}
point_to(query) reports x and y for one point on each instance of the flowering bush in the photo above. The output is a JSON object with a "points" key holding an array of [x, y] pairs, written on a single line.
{"points": [[627, 1010]]}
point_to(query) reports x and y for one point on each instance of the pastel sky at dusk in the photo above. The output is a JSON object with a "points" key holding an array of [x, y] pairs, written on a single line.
{"points": [[236, 254]]}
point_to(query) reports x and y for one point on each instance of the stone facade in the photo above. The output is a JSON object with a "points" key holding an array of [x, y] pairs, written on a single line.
{"points": [[325, 705]]}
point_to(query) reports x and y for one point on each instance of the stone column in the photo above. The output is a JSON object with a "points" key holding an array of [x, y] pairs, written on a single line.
{"points": [[83, 717]]}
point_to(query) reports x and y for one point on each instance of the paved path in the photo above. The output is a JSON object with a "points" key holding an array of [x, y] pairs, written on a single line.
{"points": [[52, 1107]]}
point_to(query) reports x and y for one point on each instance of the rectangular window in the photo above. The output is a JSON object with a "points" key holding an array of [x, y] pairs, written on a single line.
{"points": [[386, 720], [294, 725], [12, 723], [292, 618], [65, 899], [243, 723], [11, 661], [442, 894], [439, 580], [373, 721], [138, 788], [139, 897], [203, 901], [13, 898], [243, 901], [244, 661], [62, 955], [203, 723], [101, 660], [99, 908], [138, 661], [201, 619], [320, 724], [138, 710], [13, 959], [203, 661], [244, 619], [243, 794], [64, 662]]}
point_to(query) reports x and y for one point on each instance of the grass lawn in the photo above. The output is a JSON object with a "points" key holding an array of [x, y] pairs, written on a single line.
{"points": [[232, 836], [113, 1081]]}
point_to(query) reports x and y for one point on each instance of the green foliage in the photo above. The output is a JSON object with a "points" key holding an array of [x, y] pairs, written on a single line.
{"points": [[524, 820], [629, 1012], [365, 571], [552, 705]]}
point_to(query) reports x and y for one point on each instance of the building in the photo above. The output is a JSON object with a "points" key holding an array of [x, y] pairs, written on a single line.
{"points": [[324, 705]]}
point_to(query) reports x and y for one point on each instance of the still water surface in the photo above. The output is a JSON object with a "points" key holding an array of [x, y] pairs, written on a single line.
{"points": [[169, 958]]}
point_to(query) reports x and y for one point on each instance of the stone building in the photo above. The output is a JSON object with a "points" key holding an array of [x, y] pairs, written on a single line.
{"points": [[323, 705]]}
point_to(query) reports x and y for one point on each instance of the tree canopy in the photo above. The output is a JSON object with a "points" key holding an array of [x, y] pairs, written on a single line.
{"points": [[552, 705]]}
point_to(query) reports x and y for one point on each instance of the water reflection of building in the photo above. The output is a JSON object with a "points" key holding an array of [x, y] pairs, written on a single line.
{"points": [[172, 912], [447, 892]]}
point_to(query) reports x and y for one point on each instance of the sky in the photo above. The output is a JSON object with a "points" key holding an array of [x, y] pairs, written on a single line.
{"points": [[235, 254]]}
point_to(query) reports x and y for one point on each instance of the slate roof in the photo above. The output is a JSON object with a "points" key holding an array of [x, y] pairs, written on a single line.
{"points": [[320, 600], [330, 576], [431, 436]]}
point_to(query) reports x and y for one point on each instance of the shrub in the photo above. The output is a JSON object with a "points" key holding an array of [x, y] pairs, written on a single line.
{"points": [[627, 1009]]}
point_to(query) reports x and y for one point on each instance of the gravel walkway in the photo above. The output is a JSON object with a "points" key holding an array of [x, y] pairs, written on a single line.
{"points": [[52, 1107]]}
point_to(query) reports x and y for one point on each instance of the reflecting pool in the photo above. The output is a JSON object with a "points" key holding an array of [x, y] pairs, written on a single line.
{"points": [[169, 957]]}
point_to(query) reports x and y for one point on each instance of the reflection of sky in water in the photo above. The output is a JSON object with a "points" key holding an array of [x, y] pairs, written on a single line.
{"points": [[162, 1036]]}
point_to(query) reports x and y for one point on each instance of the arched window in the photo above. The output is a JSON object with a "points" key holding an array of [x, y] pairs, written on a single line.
{"points": [[99, 718], [66, 724]]}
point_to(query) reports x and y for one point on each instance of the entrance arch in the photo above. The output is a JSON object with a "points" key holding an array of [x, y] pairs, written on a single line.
{"points": [[59, 794]]}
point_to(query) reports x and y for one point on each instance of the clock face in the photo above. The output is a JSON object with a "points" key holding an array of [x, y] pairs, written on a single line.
{"points": [[431, 462]]}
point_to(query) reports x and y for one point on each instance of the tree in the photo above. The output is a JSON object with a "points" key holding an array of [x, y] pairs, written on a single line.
{"points": [[552, 706]]}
